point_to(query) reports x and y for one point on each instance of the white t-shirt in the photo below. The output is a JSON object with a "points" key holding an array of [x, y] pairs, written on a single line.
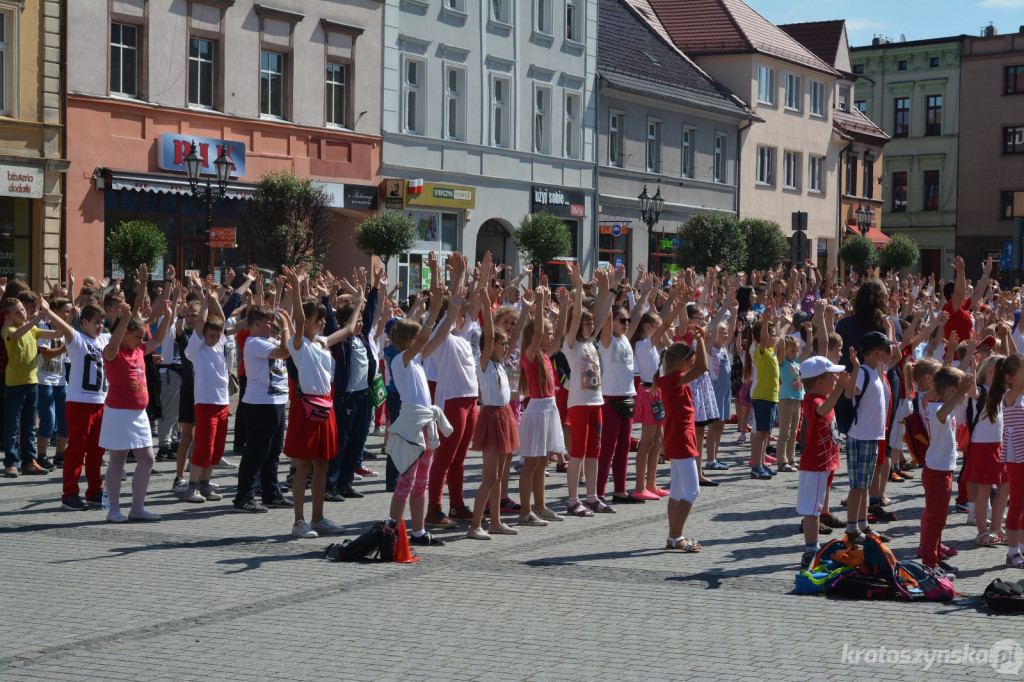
{"points": [[209, 370], [494, 386], [359, 366], [457, 363], [869, 422], [646, 359], [616, 367], [86, 380], [51, 372], [941, 454], [411, 381], [472, 332], [266, 379], [315, 365], [585, 371], [984, 430]]}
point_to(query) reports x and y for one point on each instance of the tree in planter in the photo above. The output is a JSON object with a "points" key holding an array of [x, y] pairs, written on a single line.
{"points": [[133, 242], [385, 235], [859, 252], [900, 252], [542, 237], [710, 239], [288, 222], [766, 244]]}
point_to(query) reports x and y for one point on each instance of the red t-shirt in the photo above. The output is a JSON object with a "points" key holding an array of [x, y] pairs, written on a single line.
{"points": [[821, 445], [240, 338], [680, 431], [126, 376], [531, 369], [960, 321]]}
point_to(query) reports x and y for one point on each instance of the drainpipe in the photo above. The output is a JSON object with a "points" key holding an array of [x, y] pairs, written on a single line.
{"points": [[62, 274], [839, 200], [739, 164], [595, 236]]}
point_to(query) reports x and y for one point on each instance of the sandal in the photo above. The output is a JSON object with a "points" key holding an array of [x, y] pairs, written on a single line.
{"points": [[986, 540], [1015, 560], [562, 468], [692, 546], [600, 506], [578, 509]]}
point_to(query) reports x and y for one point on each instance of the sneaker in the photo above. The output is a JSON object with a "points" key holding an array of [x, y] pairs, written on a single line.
{"points": [[116, 517], [369, 455], [880, 514], [179, 486], [503, 529], [301, 529], [45, 463], [881, 537], [33, 469], [327, 527], [278, 502], [716, 466], [949, 570], [369, 473], [356, 477], [832, 521], [333, 495], [806, 559], [225, 463], [349, 491], [94, 502], [58, 460], [755, 472], [425, 540], [193, 494], [436, 517], [73, 503], [144, 515], [11, 472], [742, 439], [210, 494], [532, 519], [249, 507], [478, 534], [960, 509], [510, 506], [549, 514], [768, 459], [462, 513]]}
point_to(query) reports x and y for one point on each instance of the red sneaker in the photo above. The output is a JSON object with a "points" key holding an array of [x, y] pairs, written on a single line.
{"points": [[363, 471]]}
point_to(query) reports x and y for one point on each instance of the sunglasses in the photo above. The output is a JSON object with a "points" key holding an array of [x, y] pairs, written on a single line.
{"points": [[624, 320]]}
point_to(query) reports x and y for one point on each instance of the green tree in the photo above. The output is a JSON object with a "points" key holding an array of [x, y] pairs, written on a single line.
{"points": [[542, 237], [133, 242], [385, 235], [288, 222], [766, 244], [710, 239], [859, 252], [900, 252]]}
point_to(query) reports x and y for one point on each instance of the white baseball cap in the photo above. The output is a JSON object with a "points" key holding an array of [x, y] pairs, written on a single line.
{"points": [[817, 365]]}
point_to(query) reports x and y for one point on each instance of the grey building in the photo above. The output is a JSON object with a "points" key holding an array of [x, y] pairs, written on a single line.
{"points": [[665, 124], [488, 115]]}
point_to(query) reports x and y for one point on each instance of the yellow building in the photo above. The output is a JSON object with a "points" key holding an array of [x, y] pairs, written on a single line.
{"points": [[31, 140]]}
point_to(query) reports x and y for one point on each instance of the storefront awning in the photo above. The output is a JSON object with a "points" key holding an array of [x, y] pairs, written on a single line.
{"points": [[169, 184], [874, 234]]}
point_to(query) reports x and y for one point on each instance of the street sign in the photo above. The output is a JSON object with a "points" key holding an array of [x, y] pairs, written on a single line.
{"points": [[1005, 262], [222, 237], [799, 221], [798, 249]]}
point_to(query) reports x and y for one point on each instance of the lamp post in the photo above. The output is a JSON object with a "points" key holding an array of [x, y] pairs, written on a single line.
{"points": [[863, 220], [650, 207], [208, 195]]}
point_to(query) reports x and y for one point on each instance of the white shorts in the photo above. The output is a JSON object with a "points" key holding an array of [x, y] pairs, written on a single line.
{"points": [[810, 492], [685, 484]]}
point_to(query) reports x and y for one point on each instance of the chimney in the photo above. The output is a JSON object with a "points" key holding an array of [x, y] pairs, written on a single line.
{"points": [[989, 31]]}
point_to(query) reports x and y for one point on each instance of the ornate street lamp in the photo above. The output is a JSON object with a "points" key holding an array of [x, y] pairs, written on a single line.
{"points": [[208, 195], [650, 207], [863, 219]]}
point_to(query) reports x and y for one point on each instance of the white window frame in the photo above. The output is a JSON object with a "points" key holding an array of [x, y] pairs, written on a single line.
{"points": [[818, 99], [766, 166], [542, 22], [501, 11], [574, 21], [455, 5], [572, 104], [333, 89], [794, 92], [122, 49], [720, 169], [652, 148], [270, 94], [767, 90], [816, 174], [500, 124], [687, 149], [616, 136], [843, 94], [541, 119], [412, 92], [199, 61], [454, 103], [791, 170]]}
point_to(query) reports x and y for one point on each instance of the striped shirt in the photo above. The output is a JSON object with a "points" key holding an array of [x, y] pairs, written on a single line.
{"points": [[1013, 432]]}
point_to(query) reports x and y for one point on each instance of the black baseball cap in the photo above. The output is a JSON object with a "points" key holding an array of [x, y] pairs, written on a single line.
{"points": [[873, 340]]}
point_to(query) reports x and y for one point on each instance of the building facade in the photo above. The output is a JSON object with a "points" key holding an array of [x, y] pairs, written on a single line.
{"points": [[32, 166], [912, 90], [293, 86], [991, 183], [488, 116]]}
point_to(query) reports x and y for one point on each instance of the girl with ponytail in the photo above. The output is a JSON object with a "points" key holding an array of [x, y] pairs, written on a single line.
{"points": [[1008, 392]]}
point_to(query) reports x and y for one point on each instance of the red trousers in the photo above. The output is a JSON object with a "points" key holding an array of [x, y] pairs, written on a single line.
{"points": [[1015, 510], [585, 430], [450, 456], [84, 420], [211, 432], [615, 434], [938, 486]]}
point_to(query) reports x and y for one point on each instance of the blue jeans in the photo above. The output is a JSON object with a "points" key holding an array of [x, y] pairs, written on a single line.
{"points": [[20, 416], [51, 411], [353, 411]]}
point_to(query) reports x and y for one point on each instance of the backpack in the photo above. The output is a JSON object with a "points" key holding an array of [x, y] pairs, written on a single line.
{"points": [[847, 418], [1004, 597], [915, 581], [820, 580], [879, 559], [836, 553], [377, 543], [973, 409], [916, 436], [858, 585]]}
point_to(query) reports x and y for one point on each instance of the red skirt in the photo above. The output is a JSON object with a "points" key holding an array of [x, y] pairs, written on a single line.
{"points": [[496, 430], [983, 465], [308, 439]]}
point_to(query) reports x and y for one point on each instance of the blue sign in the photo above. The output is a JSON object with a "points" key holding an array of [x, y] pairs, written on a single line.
{"points": [[172, 149], [618, 262], [1008, 250], [1005, 262]]}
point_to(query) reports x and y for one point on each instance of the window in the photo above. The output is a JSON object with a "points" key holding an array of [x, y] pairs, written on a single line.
{"points": [[541, 134], [572, 125], [499, 112], [933, 62], [899, 192], [901, 117], [901, 65], [858, 69], [542, 16], [654, 146], [766, 85], [335, 95], [1014, 80], [501, 12], [455, 5], [412, 115], [843, 99], [1013, 204], [816, 174], [931, 190], [124, 56], [933, 115], [1013, 140], [817, 98], [791, 162], [272, 84], [794, 92], [200, 72], [861, 106], [454, 103], [689, 139], [851, 174], [616, 128], [573, 25], [766, 166], [720, 158], [868, 185]]}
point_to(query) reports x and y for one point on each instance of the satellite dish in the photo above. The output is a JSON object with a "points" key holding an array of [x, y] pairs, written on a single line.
{"points": [[903, 38]]}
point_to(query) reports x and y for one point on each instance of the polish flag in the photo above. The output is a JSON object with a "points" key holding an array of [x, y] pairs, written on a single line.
{"points": [[415, 186]]}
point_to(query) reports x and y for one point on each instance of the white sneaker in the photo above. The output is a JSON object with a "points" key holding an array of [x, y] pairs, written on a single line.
{"points": [[225, 463], [179, 486], [356, 477], [327, 527], [478, 534], [503, 529], [193, 495], [302, 530], [210, 494]]}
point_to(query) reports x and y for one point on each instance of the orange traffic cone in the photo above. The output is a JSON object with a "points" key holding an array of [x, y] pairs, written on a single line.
{"points": [[403, 553]]}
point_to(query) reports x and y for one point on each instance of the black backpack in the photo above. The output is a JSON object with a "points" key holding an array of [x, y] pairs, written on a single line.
{"points": [[859, 585], [1004, 597], [847, 416], [376, 544]]}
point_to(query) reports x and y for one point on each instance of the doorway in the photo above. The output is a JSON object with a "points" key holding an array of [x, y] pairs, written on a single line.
{"points": [[495, 235]]}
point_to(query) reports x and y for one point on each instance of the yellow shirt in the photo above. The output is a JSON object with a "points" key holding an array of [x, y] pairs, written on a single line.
{"points": [[22, 356], [767, 385]]}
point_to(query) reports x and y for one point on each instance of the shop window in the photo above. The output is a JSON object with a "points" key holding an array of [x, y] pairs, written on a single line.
{"points": [[16, 238], [124, 57], [614, 249], [662, 249]]}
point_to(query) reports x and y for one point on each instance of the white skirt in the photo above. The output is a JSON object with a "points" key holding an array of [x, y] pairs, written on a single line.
{"points": [[540, 430], [125, 429]]}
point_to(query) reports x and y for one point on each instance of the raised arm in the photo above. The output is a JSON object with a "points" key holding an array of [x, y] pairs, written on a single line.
{"points": [[298, 314], [982, 285], [488, 327], [577, 302], [962, 388], [700, 363], [161, 331], [110, 352], [142, 278]]}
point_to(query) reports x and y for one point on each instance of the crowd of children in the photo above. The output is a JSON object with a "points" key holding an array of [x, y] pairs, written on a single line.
{"points": [[528, 376]]}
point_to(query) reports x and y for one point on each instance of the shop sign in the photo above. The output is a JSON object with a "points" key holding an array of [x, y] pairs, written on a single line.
{"points": [[21, 181], [172, 149], [222, 238], [358, 197], [394, 193], [615, 229], [451, 196], [558, 201]]}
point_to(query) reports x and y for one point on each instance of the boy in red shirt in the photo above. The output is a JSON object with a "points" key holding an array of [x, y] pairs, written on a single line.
{"points": [[823, 382]]}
